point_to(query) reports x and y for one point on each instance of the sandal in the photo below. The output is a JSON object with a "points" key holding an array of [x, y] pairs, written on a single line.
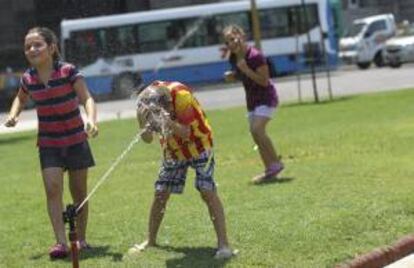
{"points": [[225, 253], [58, 251], [83, 245], [270, 174], [137, 248]]}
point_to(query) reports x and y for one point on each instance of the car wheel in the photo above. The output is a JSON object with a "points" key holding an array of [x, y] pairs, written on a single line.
{"points": [[379, 60]]}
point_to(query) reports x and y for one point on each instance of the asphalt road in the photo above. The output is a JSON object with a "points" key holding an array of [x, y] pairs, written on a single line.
{"points": [[345, 81]]}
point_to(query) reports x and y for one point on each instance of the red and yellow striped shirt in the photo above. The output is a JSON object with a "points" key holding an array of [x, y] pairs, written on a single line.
{"points": [[187, 111]]}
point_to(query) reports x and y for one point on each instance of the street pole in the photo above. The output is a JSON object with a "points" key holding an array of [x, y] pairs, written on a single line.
{"points": [[312, 60], [298, 63], [255, 24], [324, 36]]}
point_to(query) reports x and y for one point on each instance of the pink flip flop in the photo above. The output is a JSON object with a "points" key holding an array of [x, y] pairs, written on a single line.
{"points": [[58, 251]]}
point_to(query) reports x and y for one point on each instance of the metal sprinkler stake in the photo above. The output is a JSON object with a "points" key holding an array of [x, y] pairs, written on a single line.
{"points": [[69, 216]]}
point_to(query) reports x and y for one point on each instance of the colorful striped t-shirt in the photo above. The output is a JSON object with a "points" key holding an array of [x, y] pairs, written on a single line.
{"points": [[187, 111]]}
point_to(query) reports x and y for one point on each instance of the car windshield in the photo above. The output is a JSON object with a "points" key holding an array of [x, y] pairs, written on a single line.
{"points": [[355, 29]]}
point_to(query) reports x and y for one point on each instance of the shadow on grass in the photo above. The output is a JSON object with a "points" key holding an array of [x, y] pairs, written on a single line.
{"points": [[194, 257], [100, 252], [275, 180], [322, 102], [95, 252], [16, 139]]}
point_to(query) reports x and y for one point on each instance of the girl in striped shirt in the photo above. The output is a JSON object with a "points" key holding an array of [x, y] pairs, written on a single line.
{"points": [[57, 88]]}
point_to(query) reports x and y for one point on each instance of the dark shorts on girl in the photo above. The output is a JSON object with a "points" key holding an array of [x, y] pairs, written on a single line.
{"points": [[173, 173], [74, 157]]}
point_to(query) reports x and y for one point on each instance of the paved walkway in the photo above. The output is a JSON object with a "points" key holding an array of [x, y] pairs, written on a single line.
{"points": [[407, 262], [344, 82]]}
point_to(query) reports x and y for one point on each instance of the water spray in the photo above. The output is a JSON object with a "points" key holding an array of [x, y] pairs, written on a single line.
{"points": [[72, 211], [156, 121]]}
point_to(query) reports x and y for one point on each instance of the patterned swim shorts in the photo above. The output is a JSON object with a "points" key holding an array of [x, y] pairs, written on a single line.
{"points": [[173, 173]]}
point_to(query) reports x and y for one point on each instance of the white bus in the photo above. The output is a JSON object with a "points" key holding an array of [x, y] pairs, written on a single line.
{"points": [[117, 51]]}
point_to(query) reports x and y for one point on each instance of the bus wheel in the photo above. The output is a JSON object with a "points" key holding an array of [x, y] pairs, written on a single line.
{"points": [[125, 84], [363, 65]]}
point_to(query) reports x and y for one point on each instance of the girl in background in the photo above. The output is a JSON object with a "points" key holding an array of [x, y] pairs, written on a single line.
{"points": [[250, 66]]}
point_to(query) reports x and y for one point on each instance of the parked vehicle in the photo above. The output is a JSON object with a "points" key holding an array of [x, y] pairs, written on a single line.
{"points": [[365, 41], [400, 49], [9, 83]]}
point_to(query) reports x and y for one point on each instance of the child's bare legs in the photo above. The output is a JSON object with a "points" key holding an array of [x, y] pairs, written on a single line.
{"points": [[156, 215], [78, 190], [215, 208], [53, 182], [260, 137]]}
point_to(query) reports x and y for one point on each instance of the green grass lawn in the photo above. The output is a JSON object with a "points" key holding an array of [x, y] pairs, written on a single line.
{"points": [[347, 188]]}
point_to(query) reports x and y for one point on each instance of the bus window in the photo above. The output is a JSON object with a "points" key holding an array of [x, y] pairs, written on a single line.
{"points": [[241, 18], [125, 38], [199, 32], [312, 17], [117, 41], [274, 23], [153, 36], [213, 38], [102, 43], [82, 47]]}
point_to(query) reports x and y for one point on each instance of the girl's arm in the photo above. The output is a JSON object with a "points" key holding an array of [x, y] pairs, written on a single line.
{"points": [[88, 103], [260, 76], [18, 104]]}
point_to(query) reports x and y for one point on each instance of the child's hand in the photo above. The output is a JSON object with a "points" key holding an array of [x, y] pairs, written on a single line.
{"points": [[242, 65], [11, 121], [92, 129]]}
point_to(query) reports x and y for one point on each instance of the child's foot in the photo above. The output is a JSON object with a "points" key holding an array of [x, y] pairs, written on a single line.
{"points": [[225, 253], [138, 248], [270, 174], [58, 251]]}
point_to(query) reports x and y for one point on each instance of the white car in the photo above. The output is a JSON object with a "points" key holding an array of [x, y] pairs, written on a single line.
{"points": [[364, 43], [400, 49]]}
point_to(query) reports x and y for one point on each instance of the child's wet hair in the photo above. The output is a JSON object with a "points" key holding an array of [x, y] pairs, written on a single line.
{"points": [[157, 93], [50, 38]]}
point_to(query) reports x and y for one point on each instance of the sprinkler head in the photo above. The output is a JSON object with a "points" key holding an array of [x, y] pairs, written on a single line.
{"points": [[70, 213]]}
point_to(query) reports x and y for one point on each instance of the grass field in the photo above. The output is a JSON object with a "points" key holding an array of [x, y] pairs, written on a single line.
{"points": [[347, 188]]}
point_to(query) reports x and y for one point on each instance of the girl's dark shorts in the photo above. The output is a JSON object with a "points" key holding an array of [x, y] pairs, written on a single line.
{"points": [[74, 157]]}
